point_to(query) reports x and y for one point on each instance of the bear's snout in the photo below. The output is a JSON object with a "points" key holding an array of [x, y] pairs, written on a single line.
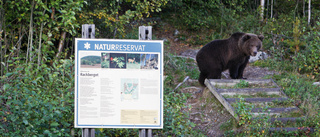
{"points": [[254, 53]]}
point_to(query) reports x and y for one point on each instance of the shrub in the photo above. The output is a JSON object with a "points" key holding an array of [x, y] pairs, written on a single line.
{"points": [[38, 101], [308, 60]]}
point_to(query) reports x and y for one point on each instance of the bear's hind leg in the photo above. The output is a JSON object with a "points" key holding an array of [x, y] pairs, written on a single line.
{"points": [[201, 79], [215, 74]]}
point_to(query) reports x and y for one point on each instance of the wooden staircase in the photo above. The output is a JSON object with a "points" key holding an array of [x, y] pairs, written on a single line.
{"points": [[266, 97]]}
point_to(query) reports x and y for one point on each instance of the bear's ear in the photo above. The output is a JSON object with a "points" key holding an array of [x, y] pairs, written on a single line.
{"points": [[245, 38], [261, 37]]}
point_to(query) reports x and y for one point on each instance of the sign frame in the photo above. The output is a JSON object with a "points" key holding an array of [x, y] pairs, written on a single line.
{"points": [[121, 46]]}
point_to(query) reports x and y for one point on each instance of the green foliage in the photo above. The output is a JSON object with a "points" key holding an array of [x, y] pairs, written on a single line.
{"points": [[250, 126], [295, 43], [105, 60], [113, 17], [105, 64], [117, 132], [176, 122], [38, 101], [119, 61], [304, 60], [243, 112], [212, 14], [297, 87], [181, 66], [308, 60], [242, 84], [30, 29], [300, 89]]}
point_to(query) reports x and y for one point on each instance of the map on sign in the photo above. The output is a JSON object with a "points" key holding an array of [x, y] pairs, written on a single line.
{"points": [[118, 83], [129, 89]]}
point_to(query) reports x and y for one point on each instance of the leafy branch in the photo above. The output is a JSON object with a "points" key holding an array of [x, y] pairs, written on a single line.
{"points": [[119, 61]]}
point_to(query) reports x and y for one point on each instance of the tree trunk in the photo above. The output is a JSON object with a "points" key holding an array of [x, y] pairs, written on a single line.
{"points": [[30, 39], [20, 37], [309, 12], [1, 32], [39, 50], [271, 9], [303, 8], [296, 11], [221, 7], [4, 48], [116, 29], [52, 14], [267, 8], [61, 43], [262, 9]]}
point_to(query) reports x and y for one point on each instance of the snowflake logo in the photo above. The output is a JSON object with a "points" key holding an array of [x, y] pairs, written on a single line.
{"points": [[87, 46]]}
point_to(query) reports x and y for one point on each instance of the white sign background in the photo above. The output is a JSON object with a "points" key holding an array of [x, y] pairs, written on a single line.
{"points": [[118, 83]]}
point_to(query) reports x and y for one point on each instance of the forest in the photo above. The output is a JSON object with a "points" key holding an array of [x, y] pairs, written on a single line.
{"points": [[37, 56]]}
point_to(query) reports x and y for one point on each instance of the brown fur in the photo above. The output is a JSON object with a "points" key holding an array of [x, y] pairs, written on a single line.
{"points": [[232, 53]]}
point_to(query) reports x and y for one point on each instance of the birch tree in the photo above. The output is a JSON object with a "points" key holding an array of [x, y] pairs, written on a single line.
{"points": [[262, 9]]}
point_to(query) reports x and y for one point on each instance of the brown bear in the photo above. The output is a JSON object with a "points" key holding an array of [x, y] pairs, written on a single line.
{"points": [[232, 53]]}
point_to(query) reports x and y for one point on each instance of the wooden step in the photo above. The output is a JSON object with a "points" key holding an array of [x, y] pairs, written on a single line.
{"points": [[232, 82], [250, 91], [274, 110], [213, 86], [288, 119], [285, 120], [275, 129], [256, 100]]}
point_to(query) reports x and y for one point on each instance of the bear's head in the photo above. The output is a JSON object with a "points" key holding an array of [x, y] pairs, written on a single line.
{"points": [[251, 43]]}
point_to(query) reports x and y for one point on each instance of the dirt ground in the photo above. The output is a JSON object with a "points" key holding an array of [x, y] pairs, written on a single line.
{"points": [[206, 111]]}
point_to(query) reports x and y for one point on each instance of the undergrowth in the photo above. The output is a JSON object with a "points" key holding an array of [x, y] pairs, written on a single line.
{"points": [[39, 101], [176, 122]]}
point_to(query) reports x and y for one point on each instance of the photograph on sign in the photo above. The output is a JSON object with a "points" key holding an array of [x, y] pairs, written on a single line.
{"points": [[118, 83]]}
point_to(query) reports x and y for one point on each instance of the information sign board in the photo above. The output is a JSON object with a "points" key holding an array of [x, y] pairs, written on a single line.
{"points": [[118, 83]]}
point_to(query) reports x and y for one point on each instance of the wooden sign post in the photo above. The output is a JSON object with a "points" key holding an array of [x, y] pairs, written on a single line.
{"points": [[88, 31], [145, 33]]}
